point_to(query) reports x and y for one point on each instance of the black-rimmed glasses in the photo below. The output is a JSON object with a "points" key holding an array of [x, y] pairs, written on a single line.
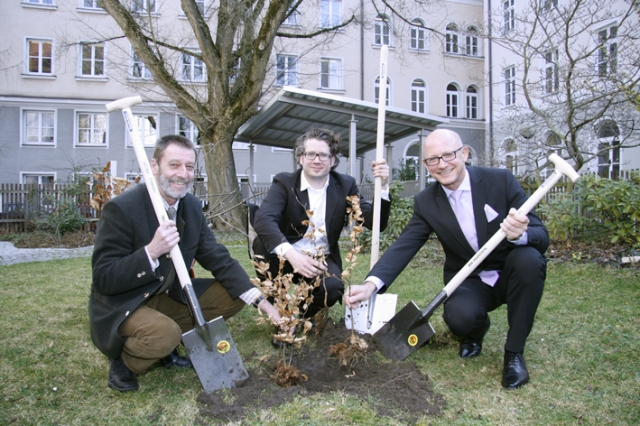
{"points": [[312, 156], [446, 157]]}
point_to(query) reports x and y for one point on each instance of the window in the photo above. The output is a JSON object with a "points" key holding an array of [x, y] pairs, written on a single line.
{"points": [[451, 39], [510, 86], [607, 51], [38, 179], [418, 96], [292, 19], [452, 101], [331, 73], [381, 31], [376, 91], [551, 74], [330, 13], [472, 102], [41, 2], [286, 70], [193, 68], [90, 4], [511, 149], [189, 130], [91, 129], [92, 59], [471, 42], [418, 35], [554, 146], [509, 15], [609, 150], [39, 57], [143, 6], [39, 127], [147, 125], [138, 68]]}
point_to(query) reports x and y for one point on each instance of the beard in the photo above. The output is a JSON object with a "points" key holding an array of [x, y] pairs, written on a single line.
{"points": [[165, 185]]}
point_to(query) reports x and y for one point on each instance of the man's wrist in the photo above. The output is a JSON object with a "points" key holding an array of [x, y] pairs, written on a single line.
{"points": [[256, 302]]}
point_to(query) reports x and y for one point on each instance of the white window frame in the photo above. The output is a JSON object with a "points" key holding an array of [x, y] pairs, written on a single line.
{"points": [[330, 13], [192, 69], [41, 59], [508, 16], [452, 101], [551, 76], [131, 177], [93, 60], [286, 70], [418, 36], [293, 20], [331, 74], [613, 155], [452, 39], [511, 156], [40, 141], [186, 128], [144, 6], [472, 103], [145, 74], [40, 2], [419, 96], [382, 30], [509, 75], [148, 135], [39, 175], [89, 4], [472, 42], [376, 91], [607, 50], [93, 129]]}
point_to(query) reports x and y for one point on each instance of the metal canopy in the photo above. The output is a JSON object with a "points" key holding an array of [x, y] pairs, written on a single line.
{"points": [[292, 111]]}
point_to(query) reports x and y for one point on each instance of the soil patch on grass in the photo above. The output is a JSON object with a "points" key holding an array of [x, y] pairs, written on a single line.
{"points": [[398, 390]]}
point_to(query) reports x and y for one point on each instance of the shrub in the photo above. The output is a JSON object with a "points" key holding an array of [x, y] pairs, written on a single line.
{"points": [[597, 210]]}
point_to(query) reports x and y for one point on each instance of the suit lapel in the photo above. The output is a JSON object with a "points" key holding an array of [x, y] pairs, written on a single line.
{"points": [[479, 198], [449, 218], [301, 196], [333, 194]]}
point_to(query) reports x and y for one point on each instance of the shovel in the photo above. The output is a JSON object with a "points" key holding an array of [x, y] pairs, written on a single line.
{"points": [[410, 328], [212, 352]]}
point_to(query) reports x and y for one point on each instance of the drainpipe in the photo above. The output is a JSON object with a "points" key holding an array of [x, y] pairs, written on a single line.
{"points": [[362, 50], [490, 75]]}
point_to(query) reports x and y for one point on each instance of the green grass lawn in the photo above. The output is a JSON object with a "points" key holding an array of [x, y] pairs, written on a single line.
{"points": [[582, 356]]}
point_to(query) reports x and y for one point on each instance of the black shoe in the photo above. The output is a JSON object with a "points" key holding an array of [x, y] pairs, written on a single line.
{"points": [[120, 377], [471, 346], [515, 372], [175, 360]]}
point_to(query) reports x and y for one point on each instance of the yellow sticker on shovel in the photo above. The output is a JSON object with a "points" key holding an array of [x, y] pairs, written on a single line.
{"points": [[413, 340], [223, 346]]}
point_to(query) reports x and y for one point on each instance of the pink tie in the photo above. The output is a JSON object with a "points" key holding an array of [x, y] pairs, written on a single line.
{"points": [[465, 217]]}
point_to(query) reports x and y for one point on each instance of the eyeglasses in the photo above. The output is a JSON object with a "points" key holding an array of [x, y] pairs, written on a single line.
{"points": [[446, 157], [312, 155]]}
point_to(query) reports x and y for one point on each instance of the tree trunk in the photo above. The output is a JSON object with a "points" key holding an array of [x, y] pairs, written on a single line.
{"points": [[225, 201]]}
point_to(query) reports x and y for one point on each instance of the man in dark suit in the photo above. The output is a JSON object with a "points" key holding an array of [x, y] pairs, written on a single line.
{"points": [[282, 222], [465, 208], [137, 309]]}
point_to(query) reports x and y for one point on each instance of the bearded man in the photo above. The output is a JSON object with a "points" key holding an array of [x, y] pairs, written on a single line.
{"points": [[137, 309]]}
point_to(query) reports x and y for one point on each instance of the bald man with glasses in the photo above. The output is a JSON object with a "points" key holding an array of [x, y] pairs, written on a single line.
{"points": [[465, 207]]}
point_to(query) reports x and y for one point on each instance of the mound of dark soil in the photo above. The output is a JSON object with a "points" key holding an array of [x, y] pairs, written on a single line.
{"points": [[398, 390]]}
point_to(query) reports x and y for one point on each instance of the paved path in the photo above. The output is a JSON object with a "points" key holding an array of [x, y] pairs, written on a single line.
{"points": [[9, 254]]}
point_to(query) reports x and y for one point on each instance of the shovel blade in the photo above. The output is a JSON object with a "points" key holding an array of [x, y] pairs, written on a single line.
{"points": [[403, 334], [384, 309], [218, 367]]}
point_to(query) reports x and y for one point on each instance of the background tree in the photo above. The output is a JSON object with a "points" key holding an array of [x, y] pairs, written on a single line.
{"points": [[577, 61]]}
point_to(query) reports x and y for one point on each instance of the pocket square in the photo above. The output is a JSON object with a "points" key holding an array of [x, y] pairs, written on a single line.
{"points": [[490, 212]]}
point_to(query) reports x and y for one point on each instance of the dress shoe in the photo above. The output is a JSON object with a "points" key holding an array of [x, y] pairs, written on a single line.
{"points": [[515, 372], [175, 360], [471, 346], [120, 377]]}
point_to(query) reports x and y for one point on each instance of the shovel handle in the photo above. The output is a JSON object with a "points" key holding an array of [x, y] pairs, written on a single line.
{"points": [[562, 168], [156, 199]]}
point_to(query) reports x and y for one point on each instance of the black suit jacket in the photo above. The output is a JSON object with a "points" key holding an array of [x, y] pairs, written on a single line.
{"points": [[280, 216], [432, 212], [122, 276]]}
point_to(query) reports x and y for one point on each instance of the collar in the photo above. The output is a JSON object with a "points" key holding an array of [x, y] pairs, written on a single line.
{"points": [[304, 184], [174, 205], [464, 186]]}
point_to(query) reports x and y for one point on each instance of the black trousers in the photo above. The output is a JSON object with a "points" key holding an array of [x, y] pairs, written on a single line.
{"points": [[520, 287], [327, 294]]}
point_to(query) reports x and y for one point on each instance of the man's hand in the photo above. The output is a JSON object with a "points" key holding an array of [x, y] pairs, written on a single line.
{"points": [[165, 238], [270, 311], [381, 170], [355, 294], [514, 224], [304, 265]]}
